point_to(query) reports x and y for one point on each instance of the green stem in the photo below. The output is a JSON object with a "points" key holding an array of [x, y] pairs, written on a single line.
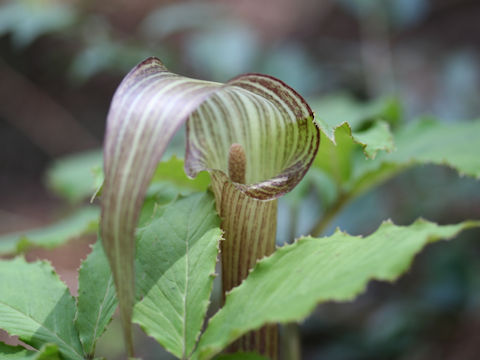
{"points": [[329, 215], [290, 346], [294, 223]]}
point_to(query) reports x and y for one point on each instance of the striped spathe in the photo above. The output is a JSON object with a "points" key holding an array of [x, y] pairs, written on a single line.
{"points": [[265, 116]]}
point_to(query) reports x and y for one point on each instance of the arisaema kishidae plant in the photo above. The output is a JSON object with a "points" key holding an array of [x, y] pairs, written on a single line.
{"points": [[255, 136]]}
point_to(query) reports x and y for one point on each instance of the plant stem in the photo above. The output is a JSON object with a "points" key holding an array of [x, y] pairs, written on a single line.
{"points": [[290, 345], [333, 211]]}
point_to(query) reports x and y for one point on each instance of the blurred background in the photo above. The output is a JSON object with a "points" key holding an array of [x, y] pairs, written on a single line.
{"points": [[61, 61]]}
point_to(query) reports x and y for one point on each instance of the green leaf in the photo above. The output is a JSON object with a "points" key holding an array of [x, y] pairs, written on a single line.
{"points": [[423, 142], [172, 171], [289, 284], [47, 352], [335, 110], [335, 158], [43, 312], [262, 114], [176, 255], [335, 155], [377, 137], [76, 177], [348, 125], [9, 352], [81, 222], [96, 301]]}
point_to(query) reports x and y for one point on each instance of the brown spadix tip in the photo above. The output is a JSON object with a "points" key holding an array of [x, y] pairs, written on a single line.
{"points": [[237, 163]]}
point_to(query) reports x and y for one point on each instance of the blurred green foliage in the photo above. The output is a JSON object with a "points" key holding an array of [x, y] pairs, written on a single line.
{"points": [[81, 222], [77, 176], [26, 20]]}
